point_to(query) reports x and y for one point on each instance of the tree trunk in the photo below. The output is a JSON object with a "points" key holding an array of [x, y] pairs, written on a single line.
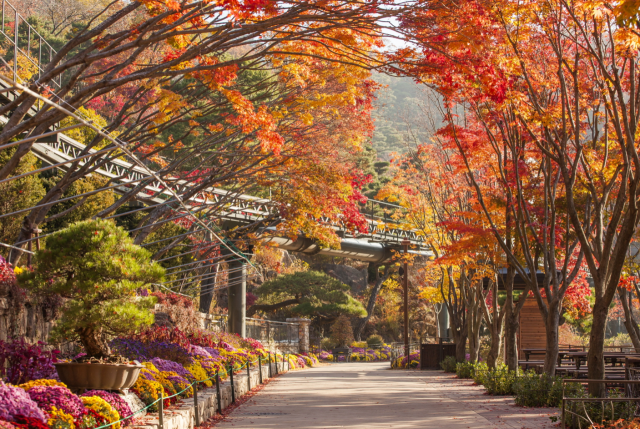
{"points": [[512, 323], [497, 332], [475, 322], [629, 321], [93, 342], [595, 358], [551, 326], [460, 339], [371, 304]]}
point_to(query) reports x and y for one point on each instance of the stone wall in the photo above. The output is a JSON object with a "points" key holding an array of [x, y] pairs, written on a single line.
{"points": [[31, 321], [182, 414]]}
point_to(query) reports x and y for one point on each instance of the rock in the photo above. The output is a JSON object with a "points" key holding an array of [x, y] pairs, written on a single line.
{"points": [[163, 319], [352, 277]]}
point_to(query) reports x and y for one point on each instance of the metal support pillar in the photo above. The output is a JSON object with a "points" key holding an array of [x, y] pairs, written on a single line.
{"points": [[405, 286], [238, 298]]}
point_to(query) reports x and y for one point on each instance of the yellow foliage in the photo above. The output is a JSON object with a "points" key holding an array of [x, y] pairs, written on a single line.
{"points": [[85, 134]]}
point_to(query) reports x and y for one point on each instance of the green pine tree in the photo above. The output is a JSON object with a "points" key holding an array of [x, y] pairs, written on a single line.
{"points": [[97, 268], [308, 293]]}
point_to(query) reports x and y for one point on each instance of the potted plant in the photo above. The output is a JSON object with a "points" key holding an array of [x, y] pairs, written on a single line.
{"points": [[96, 268], [342, 334]]}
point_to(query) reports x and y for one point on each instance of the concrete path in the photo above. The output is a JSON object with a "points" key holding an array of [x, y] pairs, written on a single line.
{"points": [[369, 395]]}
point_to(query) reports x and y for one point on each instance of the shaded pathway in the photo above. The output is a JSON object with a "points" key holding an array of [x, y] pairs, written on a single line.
{"points": [[369, 395]]}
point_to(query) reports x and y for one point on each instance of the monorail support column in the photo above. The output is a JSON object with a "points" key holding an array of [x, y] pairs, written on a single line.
{"points": [[237, 296]]}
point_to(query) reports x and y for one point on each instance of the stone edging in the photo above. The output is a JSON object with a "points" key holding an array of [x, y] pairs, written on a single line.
{"points": [[182, 414]]}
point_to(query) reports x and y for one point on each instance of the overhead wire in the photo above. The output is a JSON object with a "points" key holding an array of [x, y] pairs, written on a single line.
{"points": [[123, 147]]}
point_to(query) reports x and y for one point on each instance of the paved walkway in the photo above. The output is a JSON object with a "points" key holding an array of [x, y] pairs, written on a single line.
{"points": [[369, 395]]}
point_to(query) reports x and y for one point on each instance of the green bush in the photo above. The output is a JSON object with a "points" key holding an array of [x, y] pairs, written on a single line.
{"points": [[465, 369], [535, 390], [449, 364], [500, 381], [374, 341], [480, 370], [327, 344]]}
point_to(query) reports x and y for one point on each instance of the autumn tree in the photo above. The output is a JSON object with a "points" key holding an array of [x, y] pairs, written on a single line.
{"points": [[191, 100]]}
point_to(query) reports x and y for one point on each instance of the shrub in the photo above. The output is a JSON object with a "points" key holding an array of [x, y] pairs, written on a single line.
{"points": [[465, 369], [535, 390], [449, 364], [480, 370], [327, 344], [500, 381], [97, 267], [341, 331], [374, 341]]}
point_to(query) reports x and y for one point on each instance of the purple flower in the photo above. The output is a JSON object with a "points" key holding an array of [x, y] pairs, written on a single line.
{"points": [[212, 352], [167, 365], [14, 401], [228, 347], [199, 351], [49, 396]]}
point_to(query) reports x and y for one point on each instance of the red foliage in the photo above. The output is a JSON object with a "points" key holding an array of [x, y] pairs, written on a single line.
{"points": [[173, 299], [162, 333]]}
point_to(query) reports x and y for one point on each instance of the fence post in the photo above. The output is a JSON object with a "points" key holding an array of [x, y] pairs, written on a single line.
{"points": [[249, 375], [260, 368], [563, 407], [275, 359], [161, 411], [218, 391], [270, 374], [195, 402], [233, 388]]}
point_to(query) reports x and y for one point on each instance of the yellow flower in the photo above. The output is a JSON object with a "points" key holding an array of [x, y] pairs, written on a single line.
{"points": [[199, 373], [150, 366], [18, 270], [103, 408], [41, 382], [60, 419]]}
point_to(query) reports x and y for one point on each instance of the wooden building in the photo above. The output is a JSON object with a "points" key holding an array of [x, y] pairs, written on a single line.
{"points": [[532, 334]]}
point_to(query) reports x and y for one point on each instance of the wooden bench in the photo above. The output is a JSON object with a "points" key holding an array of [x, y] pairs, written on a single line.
{"points": [[529, 364]]}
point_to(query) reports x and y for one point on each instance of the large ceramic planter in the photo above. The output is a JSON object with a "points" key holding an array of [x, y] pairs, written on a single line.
{"points": [[89, 376]]}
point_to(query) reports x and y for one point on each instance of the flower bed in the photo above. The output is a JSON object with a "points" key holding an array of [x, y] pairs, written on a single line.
{"points": [[173, 360], [360, 353]]}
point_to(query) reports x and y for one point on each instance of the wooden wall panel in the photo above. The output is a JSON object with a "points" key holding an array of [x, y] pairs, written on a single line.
{"points": [[532, 334]]}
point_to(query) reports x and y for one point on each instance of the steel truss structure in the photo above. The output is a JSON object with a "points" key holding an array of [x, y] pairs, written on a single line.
{"points": [[127, 174]]}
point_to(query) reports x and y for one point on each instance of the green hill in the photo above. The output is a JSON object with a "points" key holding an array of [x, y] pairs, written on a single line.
{"points": [[404, 113]]}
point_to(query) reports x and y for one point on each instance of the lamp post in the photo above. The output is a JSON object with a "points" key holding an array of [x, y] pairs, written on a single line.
{"points": [[405, 285]]}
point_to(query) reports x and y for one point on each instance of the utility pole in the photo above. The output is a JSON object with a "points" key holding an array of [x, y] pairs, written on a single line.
{"points": [[405, 285]]}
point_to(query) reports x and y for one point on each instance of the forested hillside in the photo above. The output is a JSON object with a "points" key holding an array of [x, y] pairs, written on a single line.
{"points": [[403, 113]]}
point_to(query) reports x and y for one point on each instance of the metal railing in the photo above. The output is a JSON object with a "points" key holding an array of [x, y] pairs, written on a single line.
{"points": [[26, 49], [271, 331], [622, 402], [398, 352]]}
